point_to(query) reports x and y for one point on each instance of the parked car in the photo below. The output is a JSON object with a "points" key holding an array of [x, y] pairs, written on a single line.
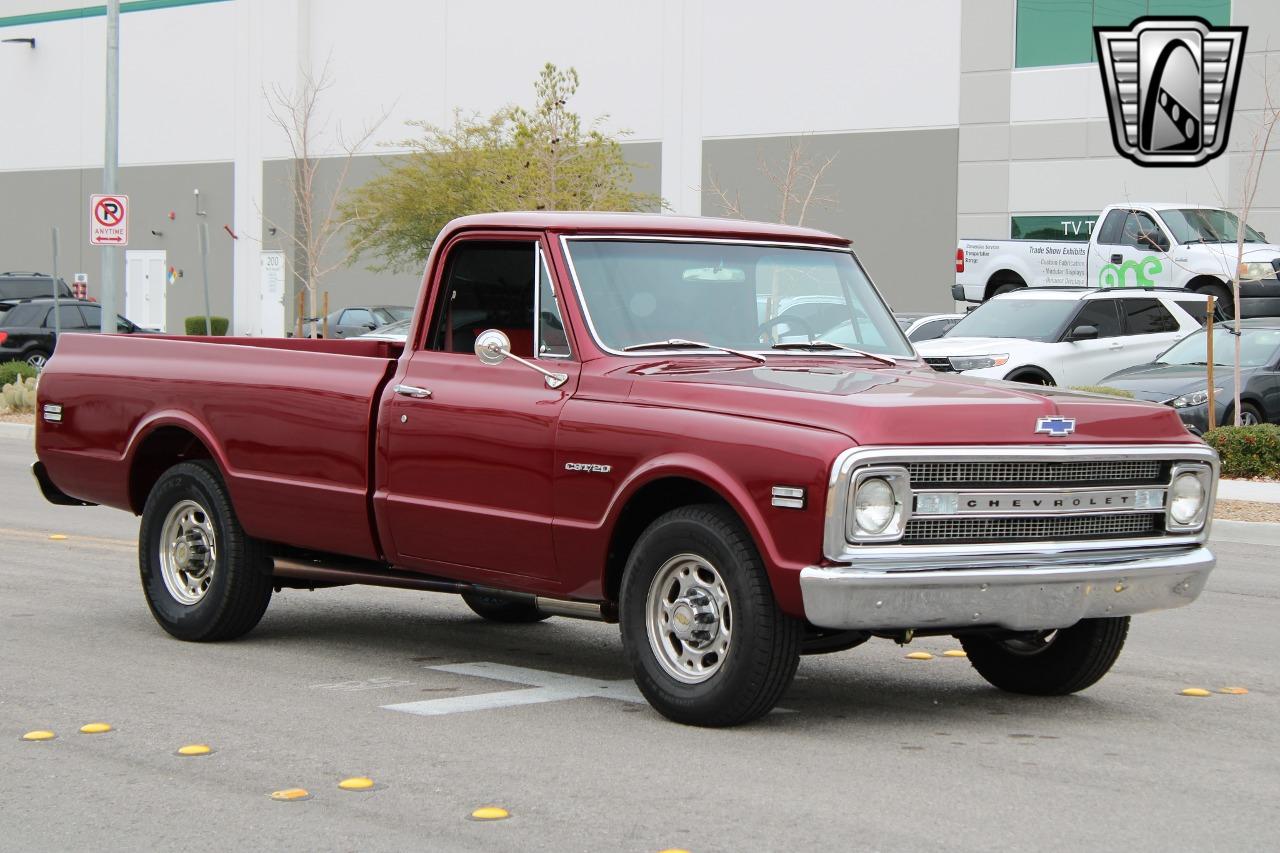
{"points": [[397, 331], [925, 327], [1187, 246], [349, 322], [29, 285], [592, 427], [1062, 336], [27, 329], [1179, 376]]}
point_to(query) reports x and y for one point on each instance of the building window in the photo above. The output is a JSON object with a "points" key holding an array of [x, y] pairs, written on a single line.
{"points": [[1055, 226], [1060, 32]]}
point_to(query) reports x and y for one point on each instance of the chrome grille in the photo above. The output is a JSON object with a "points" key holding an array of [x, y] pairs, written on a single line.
{"points": [[1130, 471], [926, 530], [942, 365]]}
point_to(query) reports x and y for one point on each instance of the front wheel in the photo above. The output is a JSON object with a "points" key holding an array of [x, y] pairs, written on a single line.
{"points": [[706, 640], [203, 577], [1049, 663]]}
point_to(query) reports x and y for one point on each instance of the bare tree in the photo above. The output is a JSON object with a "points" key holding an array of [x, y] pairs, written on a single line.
{"points": [[1259, 146], [798, 181], [319, 216]]}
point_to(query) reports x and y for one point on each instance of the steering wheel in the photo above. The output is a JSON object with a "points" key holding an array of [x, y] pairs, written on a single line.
{"points": [[765, 330]]}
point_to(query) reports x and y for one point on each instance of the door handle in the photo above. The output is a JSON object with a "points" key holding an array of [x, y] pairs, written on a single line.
{"points": [[413, 391], [1117, 345], [1117, 259]]}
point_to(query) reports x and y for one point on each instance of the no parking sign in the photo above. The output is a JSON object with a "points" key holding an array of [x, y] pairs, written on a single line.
{"points": [[108, 220]]}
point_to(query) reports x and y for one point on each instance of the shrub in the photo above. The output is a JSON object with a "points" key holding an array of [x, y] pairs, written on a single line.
{"points": [[195, 325], [1103, 389], [11, 371], [20, 396], [1247, 451]]}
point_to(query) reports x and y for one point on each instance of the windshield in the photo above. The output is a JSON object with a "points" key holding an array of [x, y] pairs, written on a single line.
{"points": [[1206, 225], [745, 296], [1032, 319], [1258, 347]]}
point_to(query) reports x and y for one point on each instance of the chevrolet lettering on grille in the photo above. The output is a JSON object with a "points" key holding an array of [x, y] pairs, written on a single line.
{"points": [[1074, 501]]}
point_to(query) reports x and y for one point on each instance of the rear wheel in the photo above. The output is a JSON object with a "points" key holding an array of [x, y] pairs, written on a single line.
{"points": [[707, 642], [1049, 663], [203, 577], [1224, 302], [37, 358], [495, 608]]}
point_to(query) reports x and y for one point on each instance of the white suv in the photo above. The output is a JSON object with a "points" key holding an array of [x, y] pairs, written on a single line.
{"points": [[1065, 336]]}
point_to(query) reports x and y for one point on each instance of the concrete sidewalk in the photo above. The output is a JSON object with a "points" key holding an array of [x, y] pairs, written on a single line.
{"points": [[1248, 490], [8, 430]]}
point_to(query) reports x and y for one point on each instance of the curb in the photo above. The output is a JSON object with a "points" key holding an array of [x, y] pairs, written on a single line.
{"points": [[19, 431], [1249, 490]]}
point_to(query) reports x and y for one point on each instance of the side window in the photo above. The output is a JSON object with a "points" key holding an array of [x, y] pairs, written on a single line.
{"points": [[1197, 308], [357, 317], [932, 330], [1140, 232], [486, 286], [1147, 317], [92, 315], [1100, 313], [69, 317], [553, 342], [1109, 234]]}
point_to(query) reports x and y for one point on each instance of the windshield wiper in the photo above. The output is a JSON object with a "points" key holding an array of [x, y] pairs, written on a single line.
{"points": [[681, 343], [884, 359]]}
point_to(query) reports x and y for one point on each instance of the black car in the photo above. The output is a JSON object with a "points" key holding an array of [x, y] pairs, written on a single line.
{"points": [[27, 328], [29, 285], [1179, 375]]}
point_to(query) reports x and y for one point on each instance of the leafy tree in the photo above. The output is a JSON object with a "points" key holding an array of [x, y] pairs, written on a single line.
{"points": [[515, 159]]}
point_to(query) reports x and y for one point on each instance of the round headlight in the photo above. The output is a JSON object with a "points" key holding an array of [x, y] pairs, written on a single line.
{"points": [[1186, 498], [874, 505]]}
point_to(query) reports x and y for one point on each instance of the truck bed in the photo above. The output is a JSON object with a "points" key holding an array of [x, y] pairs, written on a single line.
{"points": [[293, 421]]}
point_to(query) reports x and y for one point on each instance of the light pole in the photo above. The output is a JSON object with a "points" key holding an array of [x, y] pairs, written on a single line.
{"points": [[110, 164]]}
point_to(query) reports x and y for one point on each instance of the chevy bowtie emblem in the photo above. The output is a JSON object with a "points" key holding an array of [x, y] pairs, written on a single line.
{"points": [[1056, 426], [1170, 85]]}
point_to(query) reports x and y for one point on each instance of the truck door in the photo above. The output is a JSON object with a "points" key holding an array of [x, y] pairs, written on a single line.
{"points": [[466, 476], [1131, 250]]}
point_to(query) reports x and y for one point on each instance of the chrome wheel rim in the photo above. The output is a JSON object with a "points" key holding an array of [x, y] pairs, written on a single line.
{"points": [[689, 619], [188, 552], [37, 361], [1248, 419]]}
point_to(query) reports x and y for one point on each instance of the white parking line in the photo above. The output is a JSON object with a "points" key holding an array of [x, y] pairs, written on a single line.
{"points": [[542, 687]]}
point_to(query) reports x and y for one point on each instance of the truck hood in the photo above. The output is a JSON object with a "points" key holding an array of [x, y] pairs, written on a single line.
{"points": [[1162, 382], [897, 405], [974, 346]]}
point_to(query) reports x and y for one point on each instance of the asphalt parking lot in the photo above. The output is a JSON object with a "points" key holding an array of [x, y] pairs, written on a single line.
{"points": [[872, 752]]}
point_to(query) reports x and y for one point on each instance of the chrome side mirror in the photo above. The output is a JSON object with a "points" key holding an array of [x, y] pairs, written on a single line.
{"points": [[494, 347]]}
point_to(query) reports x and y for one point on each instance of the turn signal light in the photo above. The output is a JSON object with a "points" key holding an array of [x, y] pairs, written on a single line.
{"points": [[959, 260]]}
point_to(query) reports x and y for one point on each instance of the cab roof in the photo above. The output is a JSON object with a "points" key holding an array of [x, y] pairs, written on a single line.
{"points": [[642, 224], [1076, 293]]}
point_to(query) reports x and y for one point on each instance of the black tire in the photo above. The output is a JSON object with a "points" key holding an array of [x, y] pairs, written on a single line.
{"points": [[762, 647], [236, 593], [1064, 661], [1032, 377], [1225, 303], [37, 358], [498, 609], [1247, 410], [1007, 287]]}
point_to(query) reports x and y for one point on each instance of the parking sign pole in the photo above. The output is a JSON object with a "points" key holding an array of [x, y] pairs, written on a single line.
{"points": [[53, 279], [110, 164]]}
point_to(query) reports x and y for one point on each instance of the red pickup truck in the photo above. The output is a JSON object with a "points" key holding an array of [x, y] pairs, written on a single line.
{"points": [[711, 432]]}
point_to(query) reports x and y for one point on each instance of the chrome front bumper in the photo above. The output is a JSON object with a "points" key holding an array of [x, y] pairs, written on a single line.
{"points": [[1049, 591]]}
